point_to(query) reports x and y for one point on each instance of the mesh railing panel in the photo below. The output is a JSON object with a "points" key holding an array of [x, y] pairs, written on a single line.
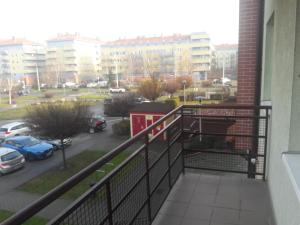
{"points": [[131, 205], [122, 181], [92, 211]]}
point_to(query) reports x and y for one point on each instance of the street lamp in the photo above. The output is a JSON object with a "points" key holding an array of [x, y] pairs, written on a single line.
{"points": [[184, 83], [37, 72]]}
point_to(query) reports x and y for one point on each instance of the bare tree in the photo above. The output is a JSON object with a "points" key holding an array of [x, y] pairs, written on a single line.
{"points": [[59, 120], [185, 80], [151, 89], [171, 86]]}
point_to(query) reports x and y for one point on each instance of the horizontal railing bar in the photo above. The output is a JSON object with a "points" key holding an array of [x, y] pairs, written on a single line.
{"points": [[226, 106], [162, 154], [215, 152], [138, 212], [164, 130], [221, 170], [55, 193], [223, 134], [225, 117]]}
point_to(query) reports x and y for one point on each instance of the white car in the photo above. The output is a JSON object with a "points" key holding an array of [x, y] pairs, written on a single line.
{"points": [[117, 90], [14, 129], [10, 160]]}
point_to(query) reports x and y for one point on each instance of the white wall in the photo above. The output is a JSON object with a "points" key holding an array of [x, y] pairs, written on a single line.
{"points": [[285, 203]]}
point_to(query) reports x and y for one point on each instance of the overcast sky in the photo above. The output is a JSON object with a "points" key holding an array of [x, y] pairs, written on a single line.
{"points": [[113, 19]]}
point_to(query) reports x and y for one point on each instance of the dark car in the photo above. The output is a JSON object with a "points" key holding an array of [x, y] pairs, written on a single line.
{"points": [[97, 123], [56, 142]]}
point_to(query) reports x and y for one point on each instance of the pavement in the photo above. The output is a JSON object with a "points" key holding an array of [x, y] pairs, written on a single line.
{"points": [[14, 200]]}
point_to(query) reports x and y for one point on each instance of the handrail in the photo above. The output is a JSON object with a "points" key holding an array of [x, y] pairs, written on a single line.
{"points": [[55, 193], [228, 106]]}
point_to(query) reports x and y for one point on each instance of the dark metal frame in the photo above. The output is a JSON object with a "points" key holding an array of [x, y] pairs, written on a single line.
{"points": [[177, 116]]}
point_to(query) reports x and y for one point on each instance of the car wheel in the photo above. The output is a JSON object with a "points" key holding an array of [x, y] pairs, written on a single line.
{"points": [[92, 130]]}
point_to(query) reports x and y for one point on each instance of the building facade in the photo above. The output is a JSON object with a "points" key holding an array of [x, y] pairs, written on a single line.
{"points": [[225, 60], [71, 57], [24, 59], [165, 55]]}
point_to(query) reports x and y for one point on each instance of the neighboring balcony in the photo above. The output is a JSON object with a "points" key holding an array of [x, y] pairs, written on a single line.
{"points": [[207, 166]]}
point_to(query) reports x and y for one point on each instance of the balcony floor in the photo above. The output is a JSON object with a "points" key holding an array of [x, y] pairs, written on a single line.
{"points": [[200, 198]]}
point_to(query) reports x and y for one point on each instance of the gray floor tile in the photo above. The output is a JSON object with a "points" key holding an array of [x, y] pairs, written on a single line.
{"points": [[228, 201], [203, 199], [174, 208], [228, 190], [251, 218], [206, 188], [200, 212], [222, 215], [166, 220], [188, 221], [179, 195], [256, 204], [209, 179]]}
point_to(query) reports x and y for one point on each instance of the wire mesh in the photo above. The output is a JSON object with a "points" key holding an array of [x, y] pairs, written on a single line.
{"points": [[92, 211]]}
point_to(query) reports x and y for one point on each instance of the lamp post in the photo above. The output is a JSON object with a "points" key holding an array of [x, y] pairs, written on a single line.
{"points": [[184, 83], [37, 73]]}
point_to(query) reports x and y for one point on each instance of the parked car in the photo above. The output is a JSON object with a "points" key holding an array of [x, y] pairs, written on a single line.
{"points": [[117, 90], [10, 160], [30, 147], [56, 142], [14, 129], [97, 123]]}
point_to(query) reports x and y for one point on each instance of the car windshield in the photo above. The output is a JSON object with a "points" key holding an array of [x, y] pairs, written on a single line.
{"points": [[3, 129], [28, 141], [10, 156]]}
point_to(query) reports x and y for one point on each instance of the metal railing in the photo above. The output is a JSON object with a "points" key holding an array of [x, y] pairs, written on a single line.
{"points": [[135, 190]]}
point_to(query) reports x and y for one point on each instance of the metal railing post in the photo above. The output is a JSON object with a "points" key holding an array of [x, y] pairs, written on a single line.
{"points": [[182, 140], [169, 158], [266, 143], [109, 204], [148, 177]]}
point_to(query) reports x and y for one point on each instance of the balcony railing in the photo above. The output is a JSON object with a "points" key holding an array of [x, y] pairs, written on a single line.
{"points": [[228, 138]]}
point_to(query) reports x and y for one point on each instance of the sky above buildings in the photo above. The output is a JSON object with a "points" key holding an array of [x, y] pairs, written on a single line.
{"points": [[113, 19]]}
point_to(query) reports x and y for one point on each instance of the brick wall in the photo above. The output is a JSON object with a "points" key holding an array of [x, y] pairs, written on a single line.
{"points": [[248, 33]]}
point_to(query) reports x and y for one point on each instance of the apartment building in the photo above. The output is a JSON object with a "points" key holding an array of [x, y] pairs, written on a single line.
{"points": [[22, 58], [164, 55], [71, 57]]}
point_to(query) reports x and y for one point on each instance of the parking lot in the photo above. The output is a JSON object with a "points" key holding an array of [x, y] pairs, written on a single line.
{"points": [[104, 140]]}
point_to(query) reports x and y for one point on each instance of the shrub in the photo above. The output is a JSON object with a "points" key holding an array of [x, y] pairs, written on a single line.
{"points": [[48, 95], [121, 128], [171, 102]]}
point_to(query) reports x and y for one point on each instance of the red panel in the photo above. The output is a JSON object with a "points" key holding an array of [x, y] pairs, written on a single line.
{"points": [[138, 123]]}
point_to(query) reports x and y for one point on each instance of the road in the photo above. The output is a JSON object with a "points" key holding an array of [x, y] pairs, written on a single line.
{"points": [[104, 140]]}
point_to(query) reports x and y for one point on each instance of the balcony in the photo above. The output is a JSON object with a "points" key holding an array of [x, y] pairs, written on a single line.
{"points": [[207, 166]]}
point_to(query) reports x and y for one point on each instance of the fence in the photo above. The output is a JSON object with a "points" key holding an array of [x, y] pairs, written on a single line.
{"points": [[135, 190]]}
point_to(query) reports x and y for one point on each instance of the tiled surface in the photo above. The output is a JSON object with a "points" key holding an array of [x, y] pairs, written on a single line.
{"points": [[216, 199]]}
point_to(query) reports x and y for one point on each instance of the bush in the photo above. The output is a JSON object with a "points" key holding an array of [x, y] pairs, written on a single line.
{"points": [[121, 128], [171, 102], [48, 95]]}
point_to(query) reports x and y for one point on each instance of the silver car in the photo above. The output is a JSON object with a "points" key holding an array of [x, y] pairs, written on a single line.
{"points": [[14, 129], [10, 160]]}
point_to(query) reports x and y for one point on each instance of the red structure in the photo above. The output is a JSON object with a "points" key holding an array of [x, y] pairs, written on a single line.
{"points": [[145, 114]]}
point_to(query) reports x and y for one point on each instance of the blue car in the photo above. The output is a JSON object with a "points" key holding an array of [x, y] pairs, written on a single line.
{"points": [[30, 147]]}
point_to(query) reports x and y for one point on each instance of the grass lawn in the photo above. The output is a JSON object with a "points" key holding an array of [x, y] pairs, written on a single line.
{"points": [[47, 181], [33, 221], [13, 113]]}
